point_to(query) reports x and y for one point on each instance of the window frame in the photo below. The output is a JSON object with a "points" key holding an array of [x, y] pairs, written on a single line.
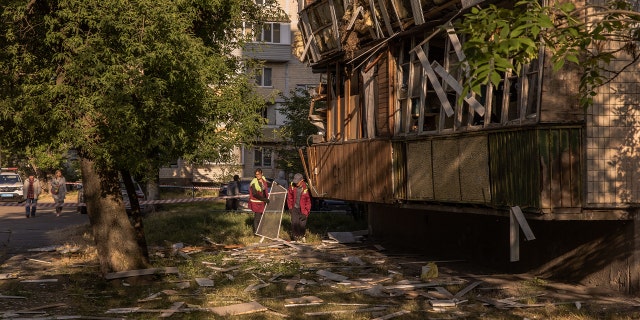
{"points": [[260, 154], [263, 76]]}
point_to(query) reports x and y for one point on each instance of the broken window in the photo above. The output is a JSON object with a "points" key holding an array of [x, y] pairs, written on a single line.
{"points": [[430, 84], [323, 24]]}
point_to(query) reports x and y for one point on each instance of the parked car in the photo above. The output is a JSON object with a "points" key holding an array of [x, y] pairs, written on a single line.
{"points": [[332, 205], [125, 197], [10, 185]]}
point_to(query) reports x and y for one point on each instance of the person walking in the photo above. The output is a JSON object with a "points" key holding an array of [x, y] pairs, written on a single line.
{"points": [[258, 197], [32, 191], [299, 203], [233, 189], [58, 191]]}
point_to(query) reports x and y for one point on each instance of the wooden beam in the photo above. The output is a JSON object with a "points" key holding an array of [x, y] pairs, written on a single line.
{"points": [[522, 222], [446, 106]]}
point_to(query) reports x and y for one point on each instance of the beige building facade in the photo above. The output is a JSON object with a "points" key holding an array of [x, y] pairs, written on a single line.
{"points": [[281, 72]]}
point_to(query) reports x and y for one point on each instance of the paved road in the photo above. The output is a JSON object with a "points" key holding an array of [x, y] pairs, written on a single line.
{"points": [[17, 233]]}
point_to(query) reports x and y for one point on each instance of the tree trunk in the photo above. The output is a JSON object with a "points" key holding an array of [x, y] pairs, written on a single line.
{"points": [[115, 237], [136, 215]]}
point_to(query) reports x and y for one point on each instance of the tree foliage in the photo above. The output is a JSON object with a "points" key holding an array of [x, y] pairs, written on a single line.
{"points": [[502, 38], [129, 85], [126, 83], [296, 129]]}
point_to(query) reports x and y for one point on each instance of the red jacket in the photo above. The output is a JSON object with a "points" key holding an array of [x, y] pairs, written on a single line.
{"points": [[305, 198], [258, 194]]}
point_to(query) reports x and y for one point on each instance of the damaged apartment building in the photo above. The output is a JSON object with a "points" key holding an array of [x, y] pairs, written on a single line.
{"points": [[461, 178]]}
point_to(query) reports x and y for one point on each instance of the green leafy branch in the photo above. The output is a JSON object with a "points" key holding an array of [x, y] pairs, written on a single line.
{"points": [[500, 39]]}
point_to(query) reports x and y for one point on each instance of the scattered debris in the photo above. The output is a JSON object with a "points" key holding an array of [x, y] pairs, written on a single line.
{"points": [[44, 249], [404, 279], [41, 261], [324, 313], [140, 272], [174, 307], [11, 297], [331, 276], [204, 282], [303, 301], [5, 276], [255, 287], [39, 280], [238, 309], [392, 315], [346, 237], [430, 271]]}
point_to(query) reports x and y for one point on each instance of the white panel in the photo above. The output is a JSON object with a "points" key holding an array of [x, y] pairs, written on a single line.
{"points": [[285, 33]]}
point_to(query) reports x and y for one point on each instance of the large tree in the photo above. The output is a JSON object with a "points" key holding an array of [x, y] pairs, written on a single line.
{"points": [[129, 85]]}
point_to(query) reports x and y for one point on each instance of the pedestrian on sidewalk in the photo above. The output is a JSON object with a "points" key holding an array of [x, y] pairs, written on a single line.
{"points": [[58, 191], [299, 203], [32, 191]]}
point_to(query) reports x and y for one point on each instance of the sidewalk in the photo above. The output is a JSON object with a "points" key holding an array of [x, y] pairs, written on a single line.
{"points": [[18, 234]]}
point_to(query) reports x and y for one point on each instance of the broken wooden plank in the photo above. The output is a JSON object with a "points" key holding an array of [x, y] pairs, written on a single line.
{"points": [[392, 315], [43, 249], [331, 276], [522, 222], [342, 237], [453, 83], [152, 297], [123, 310], [442, 303], [238, 309], [411, 286], [514, 239], [39, 280], [41, 261], [218, 269], [303, 301], [324, 313], [291, 284], [255, 287], [354, 16], [141, 272], [464, 291], [5, 276], [444, 292], [204, 282], [174, 307], [442, 96], [11, 297]]}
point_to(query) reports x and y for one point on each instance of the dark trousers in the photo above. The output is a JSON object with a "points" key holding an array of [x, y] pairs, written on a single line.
{"points": [[30, 207], [298, 223], [256, 221]]}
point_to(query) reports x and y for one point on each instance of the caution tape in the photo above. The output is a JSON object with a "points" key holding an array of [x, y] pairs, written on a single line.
{"points": [[165, 201], [192, 187]]}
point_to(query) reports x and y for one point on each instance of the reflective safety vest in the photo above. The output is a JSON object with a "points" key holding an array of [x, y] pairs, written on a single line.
{"points": [[261, 186]]}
